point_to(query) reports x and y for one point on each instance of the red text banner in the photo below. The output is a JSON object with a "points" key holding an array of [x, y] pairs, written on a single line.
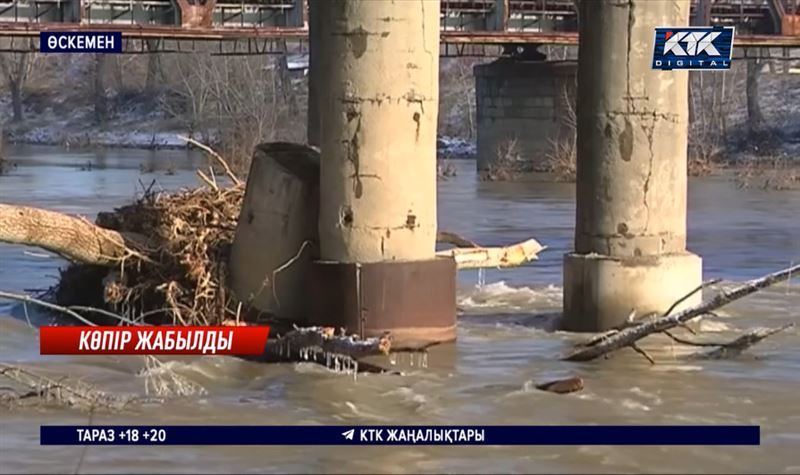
{"points": [[86, 340]]}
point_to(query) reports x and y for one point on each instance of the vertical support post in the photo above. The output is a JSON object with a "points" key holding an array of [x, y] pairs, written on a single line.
{"points": [[702, 13], [296, 15], [498, 21], [378, 178], [630, 235], [377, 223]]}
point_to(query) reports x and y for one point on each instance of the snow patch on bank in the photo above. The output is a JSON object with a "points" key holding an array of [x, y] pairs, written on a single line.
{"points": [[55, 135], [455, 147]]}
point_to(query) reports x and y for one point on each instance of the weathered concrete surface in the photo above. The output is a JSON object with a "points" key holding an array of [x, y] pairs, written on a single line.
{"points": [[378, 141], [278, 220], [603, 290], [630, 237], [528, 102]]}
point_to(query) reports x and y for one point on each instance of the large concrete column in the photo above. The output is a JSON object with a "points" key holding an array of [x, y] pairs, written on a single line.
{"points": [[378, 271], [630, 237], [378, 179]]}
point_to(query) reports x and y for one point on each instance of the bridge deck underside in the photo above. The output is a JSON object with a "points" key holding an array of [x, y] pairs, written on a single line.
{"points": [[469, 27]]}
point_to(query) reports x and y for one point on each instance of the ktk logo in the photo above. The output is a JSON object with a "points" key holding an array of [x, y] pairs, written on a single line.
{"points": [[693, 48], [697, 42]]}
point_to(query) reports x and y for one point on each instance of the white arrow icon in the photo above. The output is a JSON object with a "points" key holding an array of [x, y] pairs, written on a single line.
{"points": [[349, 434]]}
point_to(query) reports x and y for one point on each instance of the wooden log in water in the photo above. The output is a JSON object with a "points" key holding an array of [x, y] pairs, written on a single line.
{"points": [[628, 337], [71, 237], [482, 257]]}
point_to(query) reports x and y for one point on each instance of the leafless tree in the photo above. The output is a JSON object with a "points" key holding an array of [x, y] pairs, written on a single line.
{"points": [[755, 118], [244, 100], [100, 100], [457, 98], [15, 69]]}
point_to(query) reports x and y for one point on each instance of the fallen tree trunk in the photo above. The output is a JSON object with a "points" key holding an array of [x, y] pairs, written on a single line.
{"points": [[73, 238], [79, 240], [628, 337]]}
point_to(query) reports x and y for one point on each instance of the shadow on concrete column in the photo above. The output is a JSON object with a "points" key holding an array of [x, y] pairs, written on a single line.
{"points": [[630, 236], [377, 220]]}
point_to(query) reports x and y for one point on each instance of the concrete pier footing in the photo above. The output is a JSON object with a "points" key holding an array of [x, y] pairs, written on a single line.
{"points": [[630, 237], [378, 169]]}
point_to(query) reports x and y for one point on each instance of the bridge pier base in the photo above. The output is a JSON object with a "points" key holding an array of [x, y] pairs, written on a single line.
{"points": [[377, 220], [630, 237], [527, 103]]}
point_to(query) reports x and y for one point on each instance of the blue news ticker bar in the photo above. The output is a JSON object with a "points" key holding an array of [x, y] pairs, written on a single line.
{"points": [[391, 435], [80, 42]]}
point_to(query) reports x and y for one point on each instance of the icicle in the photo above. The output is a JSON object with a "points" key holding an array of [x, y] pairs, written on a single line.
{"points": [[411, 359], [425, 360], [355, 370], [393, 358], [481, 277]]}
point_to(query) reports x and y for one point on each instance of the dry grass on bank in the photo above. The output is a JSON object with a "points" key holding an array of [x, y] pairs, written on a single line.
{"points": [[508, 164], [562, 160], [776, 174]]}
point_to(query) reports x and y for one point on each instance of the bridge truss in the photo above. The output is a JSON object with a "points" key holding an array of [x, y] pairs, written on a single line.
{"points": [[469, 27]]}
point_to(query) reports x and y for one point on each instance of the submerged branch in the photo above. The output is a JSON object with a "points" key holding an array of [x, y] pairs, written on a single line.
{"points": [[58, 392], [629, 336], [737, 346], [297, 344]]}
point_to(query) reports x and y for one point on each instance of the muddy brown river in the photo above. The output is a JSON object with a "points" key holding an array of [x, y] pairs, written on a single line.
{"points": [[506, 344]]}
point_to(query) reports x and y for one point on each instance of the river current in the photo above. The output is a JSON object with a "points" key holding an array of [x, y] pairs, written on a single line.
{"points": [[506, 344]]}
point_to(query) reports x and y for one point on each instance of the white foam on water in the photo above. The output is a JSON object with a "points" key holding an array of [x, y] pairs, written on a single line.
{"points": [[407, 394], [679, 367], [634, 405], [707, 325], [527, 387], [651, 397], [501, 295], [354, 410]]}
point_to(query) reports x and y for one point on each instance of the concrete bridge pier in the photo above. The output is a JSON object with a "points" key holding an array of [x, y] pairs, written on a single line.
{"points": [[377, 223], [523, 105], [630, 237]]}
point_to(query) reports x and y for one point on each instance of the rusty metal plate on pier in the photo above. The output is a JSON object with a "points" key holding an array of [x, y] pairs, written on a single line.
{"points": [[415, 301]]}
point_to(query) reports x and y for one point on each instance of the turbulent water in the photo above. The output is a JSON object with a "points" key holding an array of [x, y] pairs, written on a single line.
{"points": [[505, 346]]}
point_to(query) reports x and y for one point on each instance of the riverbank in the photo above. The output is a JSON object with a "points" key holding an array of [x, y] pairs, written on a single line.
{"points": [[150, 134]]}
